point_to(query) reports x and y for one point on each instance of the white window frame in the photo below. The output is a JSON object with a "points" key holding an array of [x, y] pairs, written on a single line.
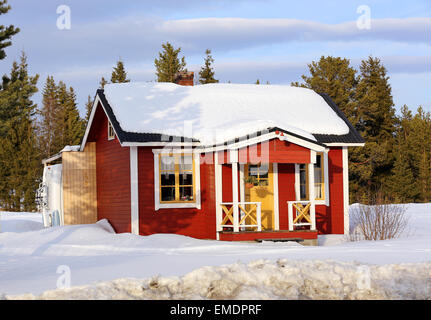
{"points": [[196, 176], [324, 201], [111, 128]]}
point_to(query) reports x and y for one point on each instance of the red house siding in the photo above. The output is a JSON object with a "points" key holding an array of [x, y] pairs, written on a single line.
{"points": [[286, 191], [186, 221], [272, 151], [112, 175], [329, 219]]}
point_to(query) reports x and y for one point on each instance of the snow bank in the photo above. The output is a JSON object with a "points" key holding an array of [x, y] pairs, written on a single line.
{"points": [[263, 279], [20, 222], [29, 261], [214, 113]]}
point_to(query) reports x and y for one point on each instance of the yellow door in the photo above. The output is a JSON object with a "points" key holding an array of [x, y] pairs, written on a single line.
{"points": [[262, 191]]}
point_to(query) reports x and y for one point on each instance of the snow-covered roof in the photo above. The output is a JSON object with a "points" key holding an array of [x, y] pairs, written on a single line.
{"points": [[215, 113], [70, 148]]}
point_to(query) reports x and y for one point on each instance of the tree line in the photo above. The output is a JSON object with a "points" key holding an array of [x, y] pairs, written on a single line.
{"points": [[396, 159]]}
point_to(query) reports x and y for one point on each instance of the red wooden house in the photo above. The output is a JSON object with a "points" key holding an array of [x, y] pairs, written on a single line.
{"points": [[221, 161]]}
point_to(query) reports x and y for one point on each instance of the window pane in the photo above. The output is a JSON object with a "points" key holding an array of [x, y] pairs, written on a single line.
{"points": [[318, 191], [317, 175], [186, 178], [303, 192], [168, 179], [168, 194], [186, 163], [318, 163], [167, 163], [263, 170], [253, 170], [302, 177], [186, 193]]}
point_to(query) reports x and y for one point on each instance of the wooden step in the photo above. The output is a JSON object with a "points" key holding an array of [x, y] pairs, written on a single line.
{"points": [[280, 239]]}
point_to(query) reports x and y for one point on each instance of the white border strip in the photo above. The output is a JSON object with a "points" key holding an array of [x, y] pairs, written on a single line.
{"points": [[346, 190], [134, 192], [275, 188]]}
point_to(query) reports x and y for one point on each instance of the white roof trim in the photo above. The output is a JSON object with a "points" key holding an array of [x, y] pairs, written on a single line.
{"points": [[90, 120], [344, 144]]}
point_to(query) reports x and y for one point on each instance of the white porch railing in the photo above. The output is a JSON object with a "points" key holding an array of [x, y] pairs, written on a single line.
{"points": [[301, 213], [236, 215]]}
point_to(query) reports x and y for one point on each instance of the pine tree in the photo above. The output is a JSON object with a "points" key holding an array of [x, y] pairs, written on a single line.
{"points": [[71, 125], [168, 64], [19, 154], [88, 107], [6, 32], [335, 77], [49, 116], [60, 123], [206, 75], [257, 81], [401, 183], [103, 82], [376, 122], [119, 74]]}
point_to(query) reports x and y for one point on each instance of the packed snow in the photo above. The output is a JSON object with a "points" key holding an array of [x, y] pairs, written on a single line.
{"points": [[105, 265], [70, 148], [215, 113]]}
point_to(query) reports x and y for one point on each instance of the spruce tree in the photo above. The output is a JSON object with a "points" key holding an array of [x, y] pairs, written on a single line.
{"points": [[88, 107], [168, 64], [206, 75], [335, 77], [119, 74], [103, 82], [401, 183], [60, 123], [6, 32], [71, 125], [49, 114], [376, 122], [19, 153]]}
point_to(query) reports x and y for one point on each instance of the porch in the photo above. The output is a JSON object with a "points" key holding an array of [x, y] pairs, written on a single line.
{"points": [[248, 202], [242, 221]]}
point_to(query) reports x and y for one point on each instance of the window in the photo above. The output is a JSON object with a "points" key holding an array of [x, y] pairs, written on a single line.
{"points": [[176, 176], [319, 180], [111, 132], [259, 173]]}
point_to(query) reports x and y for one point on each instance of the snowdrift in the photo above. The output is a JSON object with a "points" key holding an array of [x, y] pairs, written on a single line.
{"points": [[264, 279]]}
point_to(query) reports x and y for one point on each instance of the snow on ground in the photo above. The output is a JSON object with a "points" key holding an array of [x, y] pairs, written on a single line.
{"points": [[20, 221], [183, 267]]}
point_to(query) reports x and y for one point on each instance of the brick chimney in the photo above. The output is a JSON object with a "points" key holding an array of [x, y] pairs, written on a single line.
{"points": [[184, 78]]}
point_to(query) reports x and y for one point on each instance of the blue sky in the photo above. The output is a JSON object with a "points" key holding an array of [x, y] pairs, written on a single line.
{"points": [[272, 40]]}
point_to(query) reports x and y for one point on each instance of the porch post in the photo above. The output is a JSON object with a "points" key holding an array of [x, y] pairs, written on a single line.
{"points": [[233, 157], [218, 193], [311, 193], [134, 191]]}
